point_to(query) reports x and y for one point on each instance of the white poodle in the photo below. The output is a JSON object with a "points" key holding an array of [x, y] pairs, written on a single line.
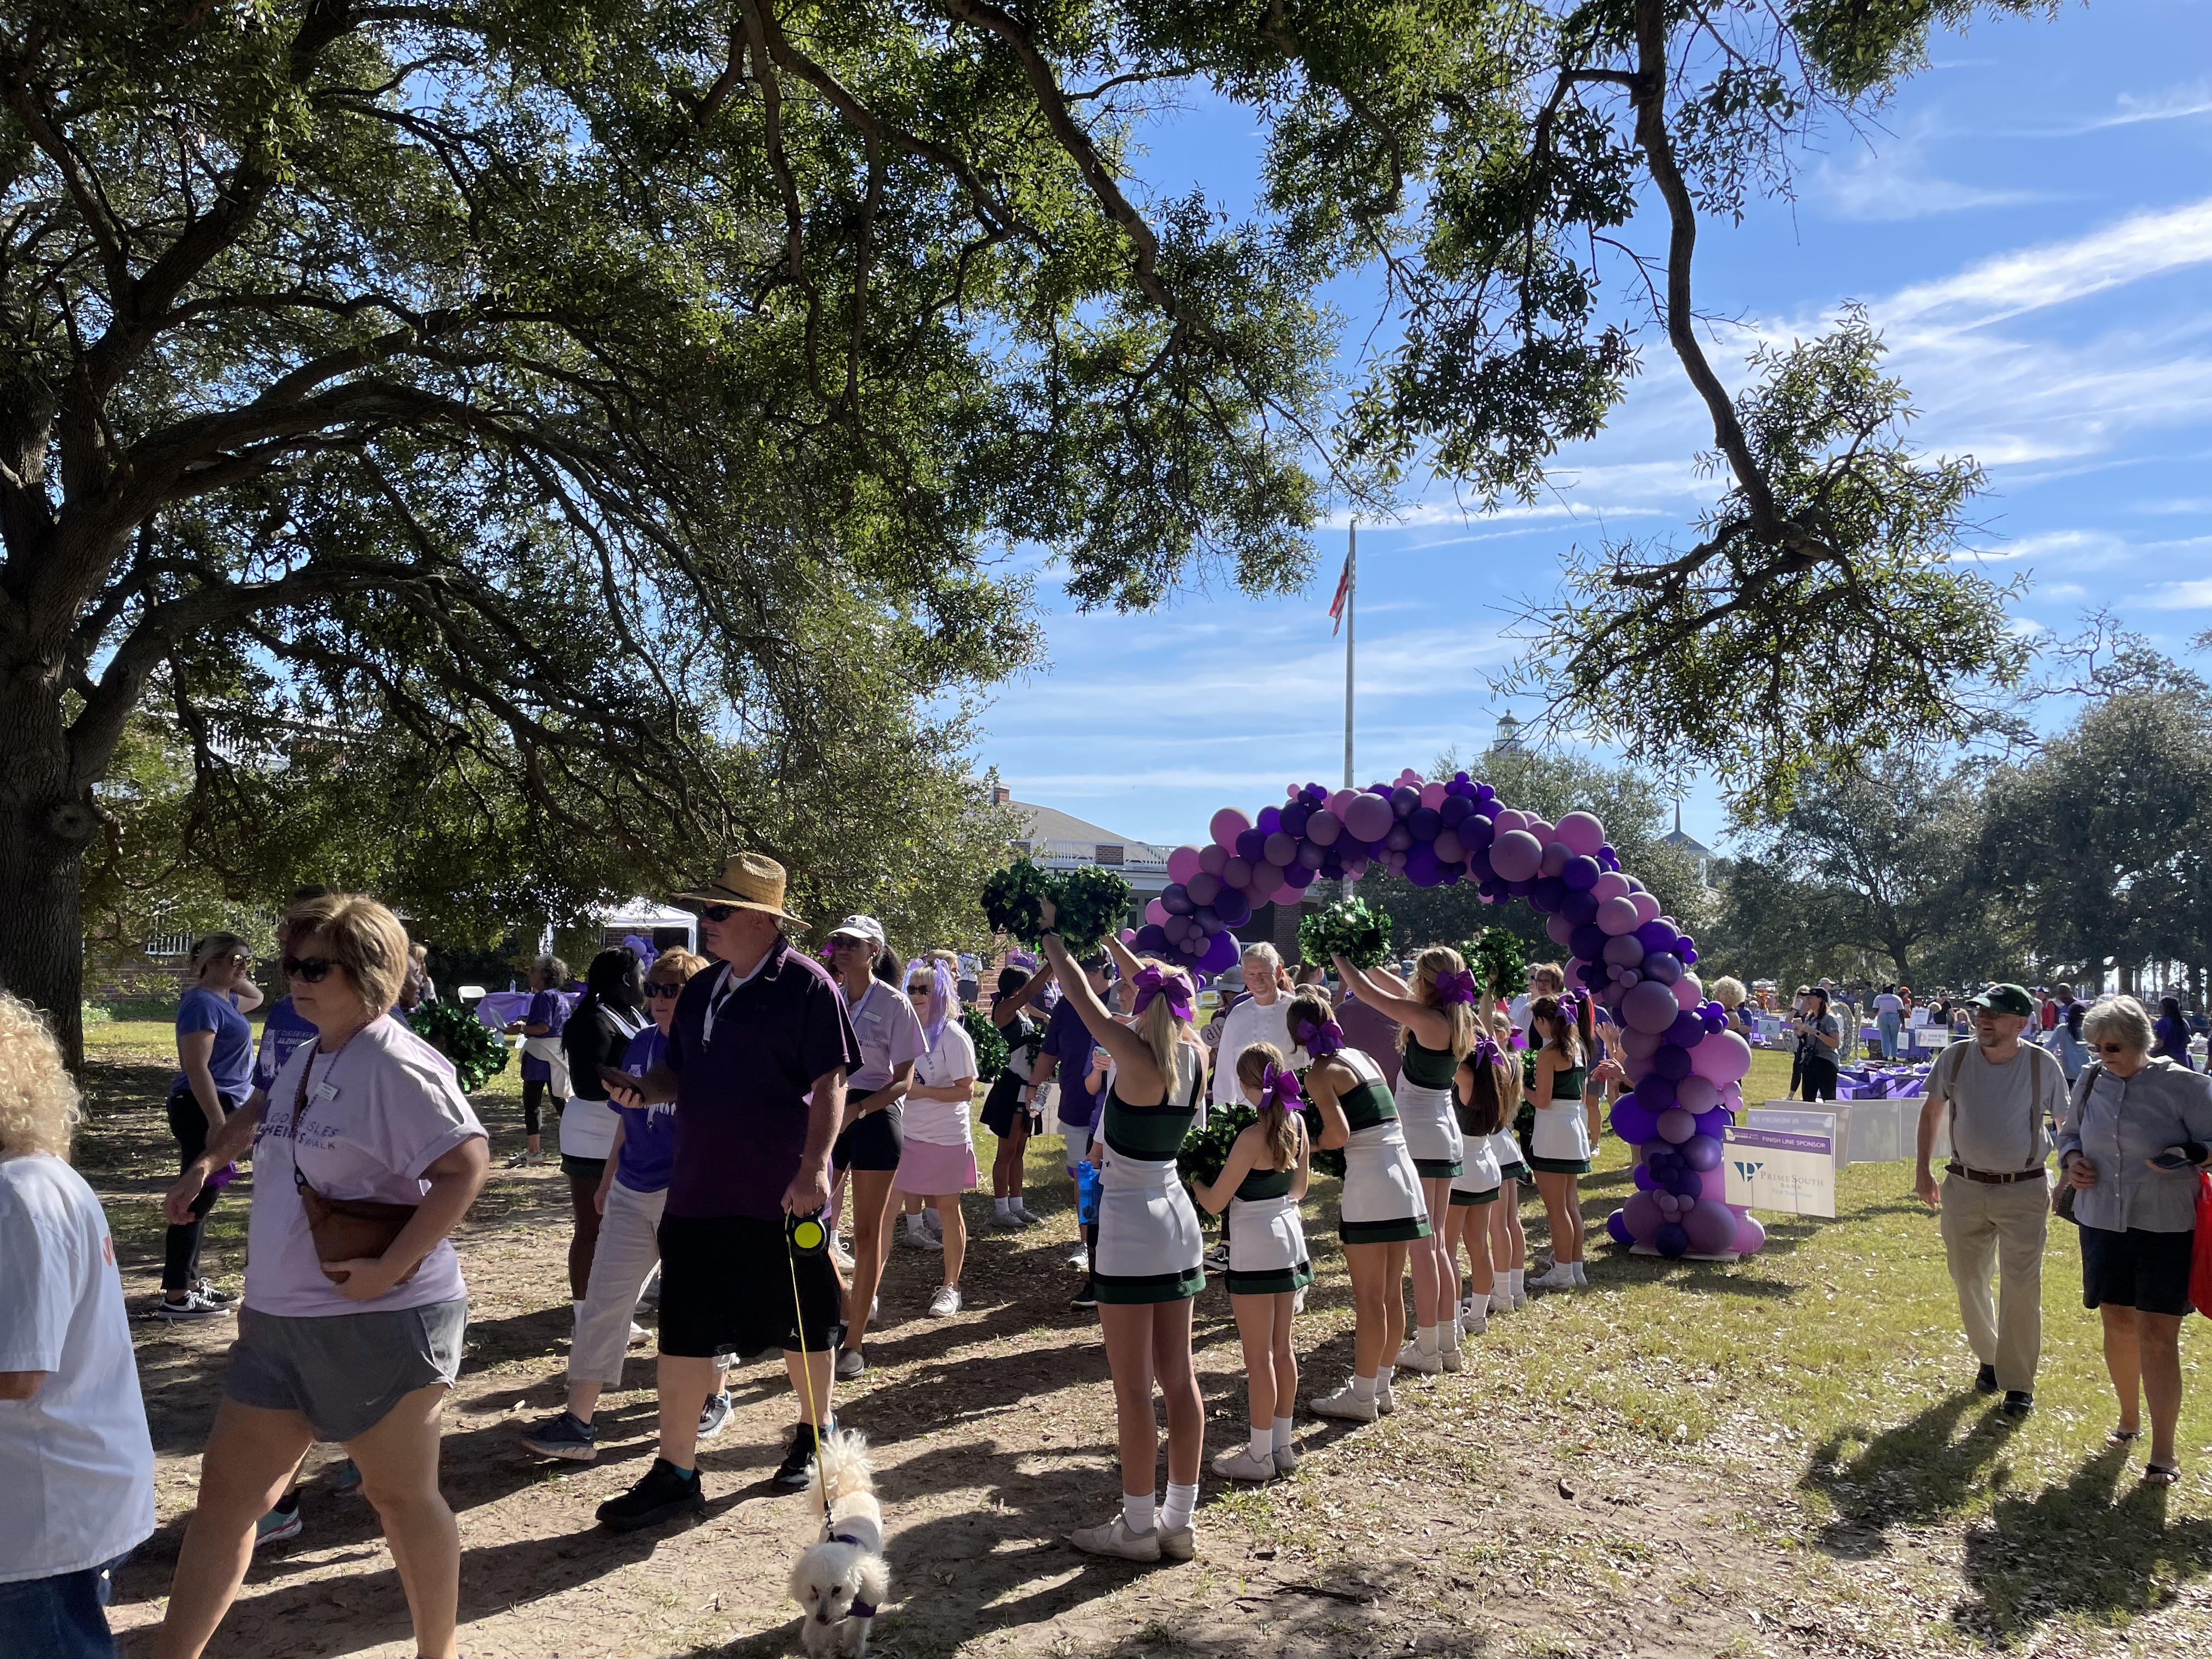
{"points": [[842, 1579]]}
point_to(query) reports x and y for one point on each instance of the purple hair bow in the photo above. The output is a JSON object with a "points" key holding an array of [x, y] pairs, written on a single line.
{"points": [[1319, 1040], [1278, 1086], [1485, 1052], [1453, 989], [1151, 982]]}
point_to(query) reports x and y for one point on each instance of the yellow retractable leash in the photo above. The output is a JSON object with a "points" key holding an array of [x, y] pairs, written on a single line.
{"points": [[806, 1236]]}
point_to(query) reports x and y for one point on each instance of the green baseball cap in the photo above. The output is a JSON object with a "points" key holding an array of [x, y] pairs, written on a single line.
{"points": [[2003, 999]]}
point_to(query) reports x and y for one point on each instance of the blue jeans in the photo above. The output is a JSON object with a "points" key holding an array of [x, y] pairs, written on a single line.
{"points": [[1888, 1024], [59, 1617]]}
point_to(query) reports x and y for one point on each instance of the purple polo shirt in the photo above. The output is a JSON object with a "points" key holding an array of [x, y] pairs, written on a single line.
{"points": [[741, 1105]]}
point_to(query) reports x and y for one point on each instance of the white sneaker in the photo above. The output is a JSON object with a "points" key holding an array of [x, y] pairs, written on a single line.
{"points": [[1561, 1277], [840, 1255], [1286, 1459], [1115, 1538], [1345, 1405], [933, 1224], [1411, 1358], [1386, 1399], [919, 1241], [1241, 1465], [1473, 1321], [1521, 1291], [1029, 1218], [1449, 1352], [1217, 1259], [638, 1333], [1080, 1259], [1298, 1300], [946, 1301]]}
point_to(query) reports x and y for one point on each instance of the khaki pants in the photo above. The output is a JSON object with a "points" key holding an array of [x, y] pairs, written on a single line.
{"points": [[1999, 1229]]}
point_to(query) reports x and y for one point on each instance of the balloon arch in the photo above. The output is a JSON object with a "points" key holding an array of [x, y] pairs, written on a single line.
{"points": [[1685, 1067]]}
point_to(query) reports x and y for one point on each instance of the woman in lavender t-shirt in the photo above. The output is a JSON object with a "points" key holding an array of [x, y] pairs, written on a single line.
{"points": [[359, 1351]]}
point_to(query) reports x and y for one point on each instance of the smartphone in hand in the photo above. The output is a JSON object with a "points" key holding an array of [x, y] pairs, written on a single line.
{"points": [[615, 1078], [2173, 1158]]}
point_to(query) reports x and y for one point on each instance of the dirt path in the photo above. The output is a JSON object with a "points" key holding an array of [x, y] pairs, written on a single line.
{"points": [[1465, 1524]]}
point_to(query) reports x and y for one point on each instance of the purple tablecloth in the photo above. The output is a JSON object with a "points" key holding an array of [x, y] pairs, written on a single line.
{"points": [[501, 1009]]}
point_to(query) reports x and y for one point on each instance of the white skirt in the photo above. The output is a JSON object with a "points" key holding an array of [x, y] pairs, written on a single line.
{"points": [[1149, 1245], [1431, 1127], [1382, 1198], [1506, 1146], [1266, 1247], [1480, 1173], [1561, 1134], [587, 1128]]}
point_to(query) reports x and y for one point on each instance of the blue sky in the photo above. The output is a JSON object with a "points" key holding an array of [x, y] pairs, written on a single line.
{"points": [[2030, 225]]}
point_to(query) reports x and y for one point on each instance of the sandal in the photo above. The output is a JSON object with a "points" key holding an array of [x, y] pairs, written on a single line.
{"points": [[2122, 1436], [2162, 1474]]}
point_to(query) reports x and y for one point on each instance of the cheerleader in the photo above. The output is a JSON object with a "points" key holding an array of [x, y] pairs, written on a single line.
{"points": [[1381, 1210], [1481, 1090], [1262, 1186], [1559, 1149], [1436, 1031], [1147, 1254], [1006, 1107], [1508, 1240]]}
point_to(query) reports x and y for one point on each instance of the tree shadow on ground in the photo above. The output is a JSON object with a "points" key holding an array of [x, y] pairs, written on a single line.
{"points": [[1905, 1476], [2092, 1547]]}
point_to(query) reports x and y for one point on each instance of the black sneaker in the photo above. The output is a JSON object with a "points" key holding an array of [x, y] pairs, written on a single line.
{"points": [[1087, 1297], [2018, 1402], [798, 1465], [662, 1495], [1985, 1380]]}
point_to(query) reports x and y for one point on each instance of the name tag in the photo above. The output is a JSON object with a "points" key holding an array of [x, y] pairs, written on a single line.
{"points": [[326, 1091]]}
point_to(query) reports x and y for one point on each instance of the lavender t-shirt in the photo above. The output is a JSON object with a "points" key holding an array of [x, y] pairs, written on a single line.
{"points": [[375, 1115]]}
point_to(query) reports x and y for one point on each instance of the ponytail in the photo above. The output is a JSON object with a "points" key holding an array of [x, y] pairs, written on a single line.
{"points": [[1262, 1069]]}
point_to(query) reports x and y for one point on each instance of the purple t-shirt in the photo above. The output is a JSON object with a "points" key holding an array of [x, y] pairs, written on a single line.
{"points": [[747, 1075], [1068, 1039], [373, 1117], [281, 1031], [648, 1142], [230, 1062], [549, 1009]]}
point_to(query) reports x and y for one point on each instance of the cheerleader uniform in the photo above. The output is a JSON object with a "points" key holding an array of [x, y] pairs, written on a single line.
{"points": [[1424, 1100], [1382, 1197], [1149, 1249], [1266, 1240], [1477, 1183], [1560, 1144]]}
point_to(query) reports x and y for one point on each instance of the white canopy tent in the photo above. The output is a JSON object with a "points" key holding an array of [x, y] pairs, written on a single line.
{"points": [[664, 926]]}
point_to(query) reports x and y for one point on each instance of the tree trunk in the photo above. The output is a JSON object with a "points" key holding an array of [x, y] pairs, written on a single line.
{"points": [[45, 826]]}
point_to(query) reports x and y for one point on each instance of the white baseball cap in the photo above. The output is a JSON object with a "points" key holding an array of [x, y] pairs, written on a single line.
{"points": [[865, 928]]}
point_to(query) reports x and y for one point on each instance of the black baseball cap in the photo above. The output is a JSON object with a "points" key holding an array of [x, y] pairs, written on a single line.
{"points": [[2003, 999]]}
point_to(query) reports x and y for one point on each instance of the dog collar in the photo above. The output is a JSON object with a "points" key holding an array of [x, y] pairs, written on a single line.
{"points": [[845, 1538]]}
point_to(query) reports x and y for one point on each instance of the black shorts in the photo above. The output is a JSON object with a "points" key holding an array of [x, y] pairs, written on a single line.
{"points": [[2146, 1271], [726, 1286], [873, 1142]]}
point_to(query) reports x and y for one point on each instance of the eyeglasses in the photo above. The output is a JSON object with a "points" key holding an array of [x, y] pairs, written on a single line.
{"points": [[662, 987], [312, 969], [2110, 1048], [718, 913]]}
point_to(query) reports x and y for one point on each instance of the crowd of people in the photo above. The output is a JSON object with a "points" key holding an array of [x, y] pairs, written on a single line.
{"points": [[747, 1125]]}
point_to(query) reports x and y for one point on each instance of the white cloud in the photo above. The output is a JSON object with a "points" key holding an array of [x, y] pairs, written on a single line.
{"points": [[2183, 596], [2171, 104], [1878, 187], [2035, 279]]}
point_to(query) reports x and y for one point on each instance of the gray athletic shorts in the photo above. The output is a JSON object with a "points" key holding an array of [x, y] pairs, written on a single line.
{"points": [[344, 1372]]}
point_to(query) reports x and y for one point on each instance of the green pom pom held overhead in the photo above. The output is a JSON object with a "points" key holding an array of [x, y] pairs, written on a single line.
{"points": [[1090, 903], [1346, 928], [1499, 960]]}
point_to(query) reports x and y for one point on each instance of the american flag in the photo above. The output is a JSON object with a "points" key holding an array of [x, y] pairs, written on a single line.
{"points": [[1343, 592]]}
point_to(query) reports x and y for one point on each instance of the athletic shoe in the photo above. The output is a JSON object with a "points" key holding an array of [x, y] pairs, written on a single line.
{"points": [[638, 1333], [1298, 1300], [565, 1436], [207, 1292], [1029, 1218], [1985, 1380], [875, 1307], [1287, 1459], [1115, 1538], [2018, 1402], [1087, 1297], [1217, 1259], [194, 1306], [713, 1415], [933, 1224], [1181, 1545], [1241, 1465], [1007, 1219], [277, 1525], [945, 1302], [798, 1465], [1345, 1405], [840, 1255], [1080, 1259], [662, 1495], [1413, 1357], [919, 1241], [1386, 1401], [347, 1481], [1450, 1354], [1561, 1277], [850, 1364]]}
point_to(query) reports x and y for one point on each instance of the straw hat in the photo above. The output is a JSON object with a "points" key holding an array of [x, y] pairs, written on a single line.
{"points": [[747, 882]]}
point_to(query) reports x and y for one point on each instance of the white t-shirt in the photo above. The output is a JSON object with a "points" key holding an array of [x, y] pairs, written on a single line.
{"points": [[376, 1114], [890, 1034], [76, 1465], [942, 1122], [1246, 1024], [1889, 1003]]}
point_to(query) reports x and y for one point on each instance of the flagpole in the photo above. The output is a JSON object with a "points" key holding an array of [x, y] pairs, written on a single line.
{"points": [[1350, 627]]}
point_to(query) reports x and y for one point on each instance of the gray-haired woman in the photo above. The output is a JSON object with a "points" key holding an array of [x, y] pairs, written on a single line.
{"points": [[2137, 1128]]}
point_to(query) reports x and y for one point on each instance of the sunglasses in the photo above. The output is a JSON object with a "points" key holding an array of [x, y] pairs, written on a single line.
{"points": [[312, 969], [917, 990], [852, 942], [2110, 1048], [718, 913], [662, 987]]}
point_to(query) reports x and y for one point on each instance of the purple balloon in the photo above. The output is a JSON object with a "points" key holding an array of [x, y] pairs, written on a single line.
{"points": [[1581, 874], [1279, 848], [1548, 894], [1268, 820], [1696, 1094], [1367, 817], [1715, 1122], [1642, 1211], [1616, 1228], [1201, 889], [1633, 1122], [1655, 1093], [1623, 951], [1656, 936], [1750, 1233], [1151, 939], [1292, 819], [1453, 810], [1233, 906], [1585, 940], [1477, 831], [1710, 1227], [1676, 1125], [1221, 953], [1403, 799], [1649, 1006], [1685, 1030], [1670, 1240], [1421, 867], [1662, 965], [1251, 847], [1323, 827], [1702, 1152], [1175, 899], [1301, 874], [1424, 822], [1207, 917], [1580, 908], [1645, 1180], [1237, 872], [1671, 1063]]}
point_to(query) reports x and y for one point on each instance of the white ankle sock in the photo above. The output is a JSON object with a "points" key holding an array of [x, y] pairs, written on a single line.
{"points": [[1515, 1281], [1263, 1442], [1426, 1339], [1282, 1433], [1137, 1511], [1382, 1376], [1176, 1512], [1004, 1206], [1364, 1388]]}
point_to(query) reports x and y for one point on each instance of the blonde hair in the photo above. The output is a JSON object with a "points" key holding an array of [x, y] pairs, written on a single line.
{"points": [[215, 944], [1282, 1134], [2122, 1018], [1727, 991], [1550, 972], [39, 1108], [363, 938], [1158, 1026], [683, 961], [1441, 960]]}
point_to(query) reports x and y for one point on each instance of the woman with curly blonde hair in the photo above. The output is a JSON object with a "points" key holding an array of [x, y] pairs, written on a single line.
{"points": [[74, 1454]]}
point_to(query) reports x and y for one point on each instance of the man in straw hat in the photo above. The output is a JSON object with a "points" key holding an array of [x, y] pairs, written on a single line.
{"points": [[757, 1059]]}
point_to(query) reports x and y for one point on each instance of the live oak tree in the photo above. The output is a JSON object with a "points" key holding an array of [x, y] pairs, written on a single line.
{"points": [[590, 393]]}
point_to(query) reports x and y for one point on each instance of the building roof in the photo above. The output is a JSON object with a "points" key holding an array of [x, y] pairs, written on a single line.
{"points": [[1056, 837], [1690, 845]]}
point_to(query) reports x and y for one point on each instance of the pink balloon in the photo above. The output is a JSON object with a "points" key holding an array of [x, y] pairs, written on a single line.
{"points": [[1583, 834], [1611, 883], [1649, 1007], [1510, 819], [1723, 1057], [1647, 908], [1713, 1183], [1432, 794], [1542, 831], [1204, 888], [1129, 936], [1227, 824], [1516, 856], [1324, 828], [1156, 912], [1368, 817], [1281, 849], [1449, 848], [1237, 873], [1749, 1234], [1616, 916], [1211, 859], [1688, 992], [1182, 864]]}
